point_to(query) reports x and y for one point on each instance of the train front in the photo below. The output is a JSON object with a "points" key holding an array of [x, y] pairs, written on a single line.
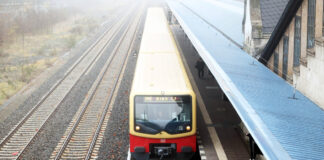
{"points": [[163, 127]]}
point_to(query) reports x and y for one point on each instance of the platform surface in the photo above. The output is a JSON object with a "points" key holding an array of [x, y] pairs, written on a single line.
{"points": [[282, 126], [219, 135]]}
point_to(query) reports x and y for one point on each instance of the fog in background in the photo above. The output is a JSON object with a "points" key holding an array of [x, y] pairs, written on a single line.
{"points": [[93, 7], [34, 33]]}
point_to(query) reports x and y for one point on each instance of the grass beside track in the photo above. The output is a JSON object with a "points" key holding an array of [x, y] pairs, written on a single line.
{"points": [[21, 62]]}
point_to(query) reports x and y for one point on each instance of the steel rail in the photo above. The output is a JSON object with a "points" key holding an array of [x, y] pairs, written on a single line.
{"points": [[90, 99], [68, 138], [93, 142], [52, 89]]}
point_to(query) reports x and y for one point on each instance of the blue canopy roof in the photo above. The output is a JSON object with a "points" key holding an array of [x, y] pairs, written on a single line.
{"points": [[283, 127]]}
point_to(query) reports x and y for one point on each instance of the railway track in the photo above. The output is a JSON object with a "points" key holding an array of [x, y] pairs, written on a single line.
{"points": [[14, 144], [80, 139]]}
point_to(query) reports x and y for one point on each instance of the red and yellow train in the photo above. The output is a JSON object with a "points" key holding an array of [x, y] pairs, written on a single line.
{"points": [[162, 112]]}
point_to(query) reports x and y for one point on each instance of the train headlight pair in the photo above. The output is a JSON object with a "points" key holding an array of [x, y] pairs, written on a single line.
{"points": [[137, 128]]}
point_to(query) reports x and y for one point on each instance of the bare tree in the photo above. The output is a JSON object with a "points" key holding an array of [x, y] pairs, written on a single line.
{"points": [[20, 20]]}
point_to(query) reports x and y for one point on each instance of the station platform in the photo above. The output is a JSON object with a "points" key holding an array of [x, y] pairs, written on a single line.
{"points": [[282, 121], [219, 134]]}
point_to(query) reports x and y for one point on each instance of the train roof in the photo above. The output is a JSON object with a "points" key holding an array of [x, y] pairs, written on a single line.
{"points": [[159, 68]]}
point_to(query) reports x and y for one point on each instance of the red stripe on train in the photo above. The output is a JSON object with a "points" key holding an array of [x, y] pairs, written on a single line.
{"points": [[136, 141]]}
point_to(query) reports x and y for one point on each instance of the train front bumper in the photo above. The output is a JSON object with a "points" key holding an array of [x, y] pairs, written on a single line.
{"points": [[148, 148]]}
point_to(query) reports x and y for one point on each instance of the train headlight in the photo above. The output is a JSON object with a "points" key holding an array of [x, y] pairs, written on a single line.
{"points": [[137, 128], [188, 128]]}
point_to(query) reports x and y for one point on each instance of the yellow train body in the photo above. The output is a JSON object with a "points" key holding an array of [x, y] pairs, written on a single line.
{"points": [[159, 71]]}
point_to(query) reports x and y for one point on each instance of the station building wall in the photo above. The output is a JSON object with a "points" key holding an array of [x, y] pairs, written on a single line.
{"points": [[308, 76]]}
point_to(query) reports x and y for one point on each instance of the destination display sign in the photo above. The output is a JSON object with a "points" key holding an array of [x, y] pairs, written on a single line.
{"points": [[163, 99]]}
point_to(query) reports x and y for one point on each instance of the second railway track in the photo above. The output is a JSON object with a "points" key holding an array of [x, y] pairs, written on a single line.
{"points": [[81, 136], [14, 144]]}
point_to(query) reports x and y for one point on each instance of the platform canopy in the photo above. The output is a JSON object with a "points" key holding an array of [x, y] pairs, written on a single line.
{"points": [[283, 127]]}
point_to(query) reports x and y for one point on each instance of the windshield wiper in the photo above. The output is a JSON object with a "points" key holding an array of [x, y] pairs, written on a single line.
{"points": [[149, 127]]}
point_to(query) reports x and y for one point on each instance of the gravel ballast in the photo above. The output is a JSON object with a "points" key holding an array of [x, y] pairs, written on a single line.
{"points": [[116, 138], [46, 141]]}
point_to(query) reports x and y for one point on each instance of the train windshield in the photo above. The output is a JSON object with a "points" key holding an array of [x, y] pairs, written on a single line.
{"points": [[172, 114]]}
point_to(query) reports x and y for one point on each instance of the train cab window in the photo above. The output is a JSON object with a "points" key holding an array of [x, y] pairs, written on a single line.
{"points": [[154, 114]]}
